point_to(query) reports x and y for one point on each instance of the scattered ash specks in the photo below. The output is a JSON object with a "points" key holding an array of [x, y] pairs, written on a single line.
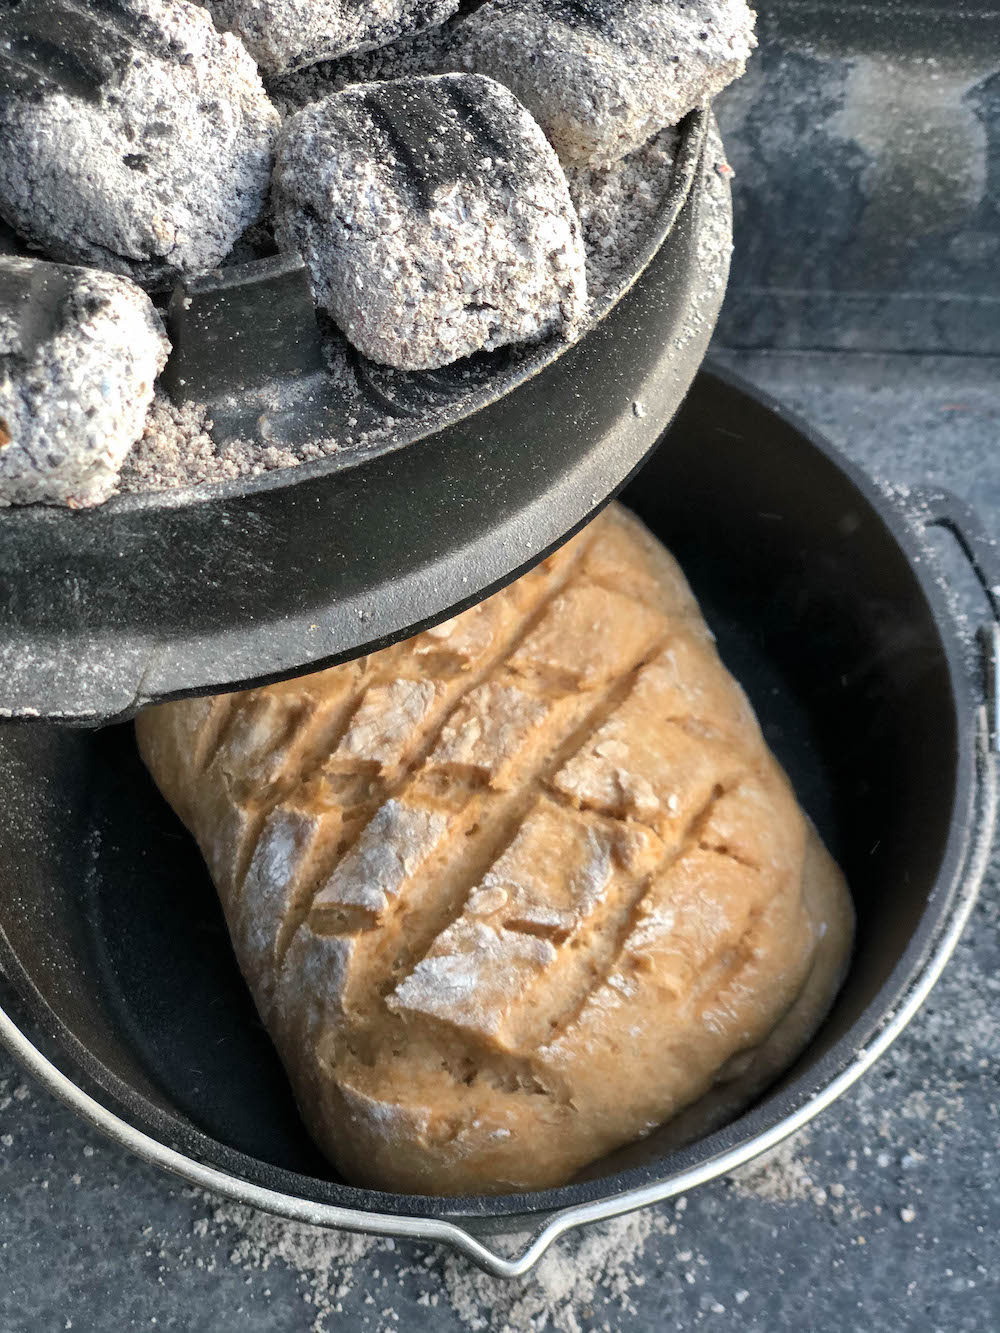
{"points": [[618, 206], [783, 1175], [600, 1267]]}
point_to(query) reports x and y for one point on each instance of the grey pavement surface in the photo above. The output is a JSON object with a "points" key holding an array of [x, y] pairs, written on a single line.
{"points": [[882, 1216], [865, 137]]}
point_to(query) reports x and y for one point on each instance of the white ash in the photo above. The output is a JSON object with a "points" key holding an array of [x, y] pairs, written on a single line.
{"points": [[79, 352], [176, 450], [618, 206], [159, 176], [714, 236], [783, 1175], [286, 35], [434, 218], [598, 1265], [602, 76]]}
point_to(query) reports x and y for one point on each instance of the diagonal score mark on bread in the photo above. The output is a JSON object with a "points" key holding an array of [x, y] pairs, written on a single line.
{"points": [[412, 900], [536, 596], [514, 892], [483, 839], [249, 768], [372, 769]]}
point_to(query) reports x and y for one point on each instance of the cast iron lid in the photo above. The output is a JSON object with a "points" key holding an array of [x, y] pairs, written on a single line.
{"points": [[489, 464]]}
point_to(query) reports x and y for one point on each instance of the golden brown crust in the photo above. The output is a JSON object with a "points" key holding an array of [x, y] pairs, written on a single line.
{"points": [[513, 893]]}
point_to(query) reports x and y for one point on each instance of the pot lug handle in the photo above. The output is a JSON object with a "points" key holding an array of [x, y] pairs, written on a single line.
{"points": [[934, 507]]}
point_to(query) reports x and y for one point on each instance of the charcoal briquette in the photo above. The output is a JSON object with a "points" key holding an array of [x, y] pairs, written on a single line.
{"points": [[434, 218], [79, 351], [602, 77], [154, 171], [286, 35]]}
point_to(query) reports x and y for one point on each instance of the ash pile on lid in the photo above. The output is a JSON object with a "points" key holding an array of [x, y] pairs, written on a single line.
{"points": [[519, 154]]}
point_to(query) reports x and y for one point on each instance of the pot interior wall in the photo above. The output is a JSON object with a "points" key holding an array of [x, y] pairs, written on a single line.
{"points": [[110, 919]]}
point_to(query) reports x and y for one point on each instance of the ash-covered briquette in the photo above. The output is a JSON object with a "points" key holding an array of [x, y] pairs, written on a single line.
{"points": [[157, 172], [434, 217], [427, 52], [602, 76], [286, 35], [79, 351]]}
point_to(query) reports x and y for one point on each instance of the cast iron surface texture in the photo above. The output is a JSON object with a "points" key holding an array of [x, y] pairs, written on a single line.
{"points": [[814, 588], [152, 596], [866, 141], [92, 1236]]}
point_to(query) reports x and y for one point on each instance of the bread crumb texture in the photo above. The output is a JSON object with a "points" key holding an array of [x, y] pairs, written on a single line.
{"points": [[515, 892]]}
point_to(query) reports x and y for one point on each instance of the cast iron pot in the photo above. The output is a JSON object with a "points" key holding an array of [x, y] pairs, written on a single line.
{"points": [[826, 607]]}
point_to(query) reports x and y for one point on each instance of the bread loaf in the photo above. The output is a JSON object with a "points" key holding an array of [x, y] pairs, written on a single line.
{"points": [[515, 892]]}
